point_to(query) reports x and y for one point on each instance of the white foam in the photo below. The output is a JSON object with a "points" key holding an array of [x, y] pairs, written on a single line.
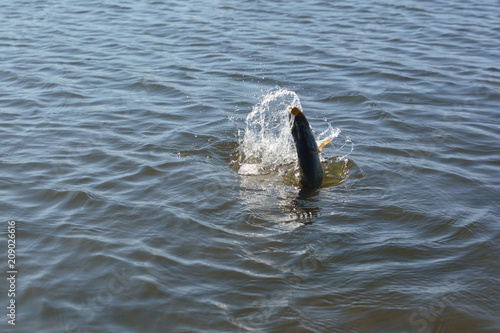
{"points": [[267, 142]]}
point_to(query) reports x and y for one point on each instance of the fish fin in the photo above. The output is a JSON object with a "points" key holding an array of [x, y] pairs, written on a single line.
{"points": [[323, 143]]}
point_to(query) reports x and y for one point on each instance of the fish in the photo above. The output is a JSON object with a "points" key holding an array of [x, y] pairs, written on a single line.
{"points": [[308, 150]]}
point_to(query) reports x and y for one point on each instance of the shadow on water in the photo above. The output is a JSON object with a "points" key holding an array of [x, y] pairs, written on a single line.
{"points": [[278, 197], [304, 206]]}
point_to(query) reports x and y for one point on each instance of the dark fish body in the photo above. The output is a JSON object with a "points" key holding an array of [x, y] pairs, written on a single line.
{"points": [[307, 151]]}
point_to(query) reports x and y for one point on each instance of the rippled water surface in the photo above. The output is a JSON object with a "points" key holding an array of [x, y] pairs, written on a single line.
{"points": [[126, 162]]}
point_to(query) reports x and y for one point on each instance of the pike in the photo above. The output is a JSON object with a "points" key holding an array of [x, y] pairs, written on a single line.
{"points": [[307, 150]]}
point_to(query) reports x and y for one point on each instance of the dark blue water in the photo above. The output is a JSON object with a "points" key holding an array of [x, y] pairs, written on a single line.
{"points": [[121, 165]]}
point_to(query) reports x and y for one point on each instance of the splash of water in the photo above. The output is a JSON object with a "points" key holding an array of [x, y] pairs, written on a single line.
{"points": [[267, 142]]}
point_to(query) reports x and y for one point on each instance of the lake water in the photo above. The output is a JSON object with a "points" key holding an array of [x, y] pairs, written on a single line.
{"points": [[153, 182]]}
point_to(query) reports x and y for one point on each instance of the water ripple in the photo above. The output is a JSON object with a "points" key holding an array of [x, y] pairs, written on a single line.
{"points": [[123, 172]]}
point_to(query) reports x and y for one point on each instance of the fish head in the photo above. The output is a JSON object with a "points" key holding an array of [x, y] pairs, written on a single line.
{"points": [[295, 111]]}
